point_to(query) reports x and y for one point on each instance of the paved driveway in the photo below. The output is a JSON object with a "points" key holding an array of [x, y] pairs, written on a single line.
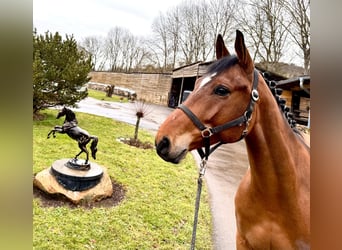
{"points": [[125, 112], [225, 167]]}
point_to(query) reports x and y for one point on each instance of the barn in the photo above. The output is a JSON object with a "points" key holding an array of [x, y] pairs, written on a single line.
{"points": [[296, 91], [183, 81], [295, 85]]}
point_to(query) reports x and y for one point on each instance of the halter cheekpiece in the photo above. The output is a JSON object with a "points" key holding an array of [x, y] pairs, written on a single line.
{"points": [[207, 132]]}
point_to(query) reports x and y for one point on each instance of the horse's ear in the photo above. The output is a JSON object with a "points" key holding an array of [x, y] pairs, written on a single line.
{"points": [[245, 59], [221, 49]]}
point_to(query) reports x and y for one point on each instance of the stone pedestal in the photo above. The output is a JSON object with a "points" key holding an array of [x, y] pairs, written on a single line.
{"points": [[93, 184], [75, 175]]}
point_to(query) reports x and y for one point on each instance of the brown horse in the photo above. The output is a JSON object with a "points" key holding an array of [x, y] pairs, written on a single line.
{"points": [[231, 102]]}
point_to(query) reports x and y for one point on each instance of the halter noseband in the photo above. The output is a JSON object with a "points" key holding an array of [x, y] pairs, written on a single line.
{"points": [[207, 132]]}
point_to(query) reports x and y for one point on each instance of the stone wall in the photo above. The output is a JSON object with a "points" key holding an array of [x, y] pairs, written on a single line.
{"points": [[152, 88]]}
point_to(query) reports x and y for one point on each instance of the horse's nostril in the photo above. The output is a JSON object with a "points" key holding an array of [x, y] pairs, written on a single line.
{"points": [[163, 146]]}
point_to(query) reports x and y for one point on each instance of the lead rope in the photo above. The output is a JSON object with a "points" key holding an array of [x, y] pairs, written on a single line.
{"points": [[204, 156], [197, 203]]}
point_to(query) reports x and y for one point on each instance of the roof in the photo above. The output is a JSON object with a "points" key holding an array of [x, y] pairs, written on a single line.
{"points": [[191, 70], [301, 82], [187, 65], [280, 69]]}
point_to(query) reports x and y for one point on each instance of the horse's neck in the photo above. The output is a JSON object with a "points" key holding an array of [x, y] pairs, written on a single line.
{"points": [[70, 121], [70, 117], [274, 151]]}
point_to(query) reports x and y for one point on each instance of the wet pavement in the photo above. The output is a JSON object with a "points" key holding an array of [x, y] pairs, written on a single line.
{"points": [[125, 112], [225, 166]]}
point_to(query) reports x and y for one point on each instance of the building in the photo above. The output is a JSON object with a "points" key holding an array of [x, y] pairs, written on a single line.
{"points": [[296, 92], [295, 85], [183, 81]]}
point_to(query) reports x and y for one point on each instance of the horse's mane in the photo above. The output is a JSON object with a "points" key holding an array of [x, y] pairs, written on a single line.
{"points": [[282, 103], [222, 64], [70, 115]]}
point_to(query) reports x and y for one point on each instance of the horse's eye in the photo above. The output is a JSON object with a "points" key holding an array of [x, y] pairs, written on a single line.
{"points": [[221, 91]]}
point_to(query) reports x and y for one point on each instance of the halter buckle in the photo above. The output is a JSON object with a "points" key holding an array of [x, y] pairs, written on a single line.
{"points": [[244, 132], [203, 167], [255, 95], [248, 119], [207, 132]]}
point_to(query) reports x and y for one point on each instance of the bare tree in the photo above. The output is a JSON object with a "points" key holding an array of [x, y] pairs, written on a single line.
{"points": [[174, 26], [221, 20], [128, 51], [161, 40], [94, 46], [264, 21], [179, 34], [185, 34], [299, 30], [124, 50], [113, 47], [134, 53], [142, 55], [153, 54], [193, 36]]}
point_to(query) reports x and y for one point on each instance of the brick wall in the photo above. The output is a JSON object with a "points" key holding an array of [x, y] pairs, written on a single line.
{"points": [[153, 88]]}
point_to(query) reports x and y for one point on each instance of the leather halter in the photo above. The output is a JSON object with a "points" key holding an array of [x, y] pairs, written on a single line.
{"points": [[207, 132]]}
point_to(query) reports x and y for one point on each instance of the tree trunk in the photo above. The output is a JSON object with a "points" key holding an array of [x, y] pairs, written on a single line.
{"points": [[136, 128]]}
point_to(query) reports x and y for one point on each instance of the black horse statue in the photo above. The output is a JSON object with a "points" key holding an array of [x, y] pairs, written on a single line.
{"points": [[71, 128]]}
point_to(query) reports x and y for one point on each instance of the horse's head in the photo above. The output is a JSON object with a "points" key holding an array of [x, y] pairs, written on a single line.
{"points": [[69, 115], [62, 112], [220, 96]]}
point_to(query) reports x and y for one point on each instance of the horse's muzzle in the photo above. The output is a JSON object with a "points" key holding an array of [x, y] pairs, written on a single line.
{"points": [[163, 148]]}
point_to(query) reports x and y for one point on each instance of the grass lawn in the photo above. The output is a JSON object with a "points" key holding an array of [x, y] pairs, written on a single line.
{"points": [[156, 213], [100, 95]]}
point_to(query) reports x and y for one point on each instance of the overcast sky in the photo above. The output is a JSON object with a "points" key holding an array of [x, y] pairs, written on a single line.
{"points": [[84, 18]]}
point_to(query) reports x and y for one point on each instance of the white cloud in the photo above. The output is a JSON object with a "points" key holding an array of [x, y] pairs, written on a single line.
{"points": [[89, 17]]}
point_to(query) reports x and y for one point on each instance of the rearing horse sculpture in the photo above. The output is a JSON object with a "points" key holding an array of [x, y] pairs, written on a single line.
{"points": [[71, 128], [232, 102]]}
